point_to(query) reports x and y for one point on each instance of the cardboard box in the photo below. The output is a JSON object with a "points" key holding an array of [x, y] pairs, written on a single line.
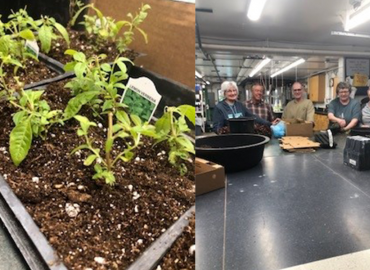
{"points": [[296, 127], [209, 176]]}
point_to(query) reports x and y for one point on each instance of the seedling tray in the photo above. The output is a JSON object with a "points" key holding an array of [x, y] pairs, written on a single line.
{"points": [[40, 255]]}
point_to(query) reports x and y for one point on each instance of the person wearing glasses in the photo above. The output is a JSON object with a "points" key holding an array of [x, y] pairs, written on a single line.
{"points": [[230, 107], [299, 107], [344, 112]]}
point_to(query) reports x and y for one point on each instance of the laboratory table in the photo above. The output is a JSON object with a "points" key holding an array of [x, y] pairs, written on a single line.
{"points": [[290, 210]]}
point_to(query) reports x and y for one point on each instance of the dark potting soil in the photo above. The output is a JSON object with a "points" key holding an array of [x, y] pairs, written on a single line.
{"points": [[114, 225], [182, 254], [83, 42], [34, 71]]}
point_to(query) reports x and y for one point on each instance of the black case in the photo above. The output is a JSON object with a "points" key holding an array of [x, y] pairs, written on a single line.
{"points": [[357, 153]]}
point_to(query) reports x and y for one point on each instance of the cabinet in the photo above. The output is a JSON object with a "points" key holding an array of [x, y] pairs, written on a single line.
{"points": [[321, 122], [316, 87]]}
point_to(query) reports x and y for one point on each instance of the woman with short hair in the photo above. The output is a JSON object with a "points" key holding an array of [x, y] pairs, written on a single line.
{"points": [[344, 112]]}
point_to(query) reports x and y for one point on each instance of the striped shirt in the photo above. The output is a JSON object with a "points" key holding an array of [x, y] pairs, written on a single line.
{"points": [[261, 109]]}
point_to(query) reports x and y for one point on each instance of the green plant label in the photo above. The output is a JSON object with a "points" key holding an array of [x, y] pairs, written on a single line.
{"points": [[32, 47], [141, 97]]}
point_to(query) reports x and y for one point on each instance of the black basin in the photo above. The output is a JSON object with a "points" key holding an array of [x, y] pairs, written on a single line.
{"points": [[360, 131], [235, 152], [241, 125]]}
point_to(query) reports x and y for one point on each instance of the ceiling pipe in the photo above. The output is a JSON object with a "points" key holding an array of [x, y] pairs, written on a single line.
{"points": [[206, 55], [283, 51]]}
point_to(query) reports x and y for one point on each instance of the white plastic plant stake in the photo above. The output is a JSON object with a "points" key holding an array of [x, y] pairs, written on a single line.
{"points": [[32, 47], [141, 97]]}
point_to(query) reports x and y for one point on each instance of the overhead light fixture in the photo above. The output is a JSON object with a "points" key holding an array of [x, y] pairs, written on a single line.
{"points": [[263, 63], [198, 75], [292, 65], [361, 15], [255, 9], [207, 82], [349, 34]]}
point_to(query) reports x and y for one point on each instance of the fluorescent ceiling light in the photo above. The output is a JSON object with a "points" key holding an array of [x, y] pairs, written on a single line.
{"points": [[349, 34], [263, 63], [292, 65], [255, 9], [198, 75], [358, 17], [207, 82]]}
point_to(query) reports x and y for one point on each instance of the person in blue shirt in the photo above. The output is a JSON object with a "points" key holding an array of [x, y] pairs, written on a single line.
{"points": [[230, 107]]}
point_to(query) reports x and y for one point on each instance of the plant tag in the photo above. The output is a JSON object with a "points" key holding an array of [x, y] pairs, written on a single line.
{"points": [[141, 97], [32, 47]]}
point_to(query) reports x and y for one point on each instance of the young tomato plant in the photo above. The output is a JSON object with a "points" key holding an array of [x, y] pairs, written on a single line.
{"points": [[172, 129], [33, 119], [128, 128], [105, 29], [95, 84]]}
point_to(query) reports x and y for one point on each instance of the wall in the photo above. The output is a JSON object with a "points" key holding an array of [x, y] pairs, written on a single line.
{"points": [[170, 27]]}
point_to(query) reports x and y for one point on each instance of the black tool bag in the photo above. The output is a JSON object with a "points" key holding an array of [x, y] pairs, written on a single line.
{"points": [[325, 139]]}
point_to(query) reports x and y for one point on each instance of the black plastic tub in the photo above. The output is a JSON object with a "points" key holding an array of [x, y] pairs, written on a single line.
{"points": [[360, 131], [236, 152], [241, 125]]}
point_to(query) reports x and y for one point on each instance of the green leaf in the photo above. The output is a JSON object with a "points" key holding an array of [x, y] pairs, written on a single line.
{"points": [[70, 52], [75, 104], [122, 66], [79, 56], [186, 144], [163, 124], [80, 69], [144, 34], [123, 134], [108, 104], [136, 119], [17, 117], [128, 156], [108, 145], [27, 34], [80, 132], [188, 111], [89, 160], [123, 118], [20, 141], [182, 125], [69, 66], [83, 146], [62, 31], [106, 67], [116, 128], [45, 33], [84, 122], [98, 168]]}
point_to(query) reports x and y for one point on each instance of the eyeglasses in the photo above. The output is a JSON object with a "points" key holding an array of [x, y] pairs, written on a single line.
{"points": [[343, 92], [231, 91]]}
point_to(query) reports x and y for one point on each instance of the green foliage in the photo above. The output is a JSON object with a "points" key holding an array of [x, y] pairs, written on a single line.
{"points": [[105, 29], [47, 28], [13, 36], [172, 129], [95, 84], [33, 119], [127, 128], [138, 105]]}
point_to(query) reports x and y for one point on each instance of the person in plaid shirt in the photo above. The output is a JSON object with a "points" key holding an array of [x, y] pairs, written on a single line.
{"points": [[258, 107]]}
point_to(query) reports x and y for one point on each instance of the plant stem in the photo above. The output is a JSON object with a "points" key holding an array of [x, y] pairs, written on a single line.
{"points": [[109, 137]]}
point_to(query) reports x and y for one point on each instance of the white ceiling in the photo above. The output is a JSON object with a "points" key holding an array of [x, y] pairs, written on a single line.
{"points": [[286, 31]]}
